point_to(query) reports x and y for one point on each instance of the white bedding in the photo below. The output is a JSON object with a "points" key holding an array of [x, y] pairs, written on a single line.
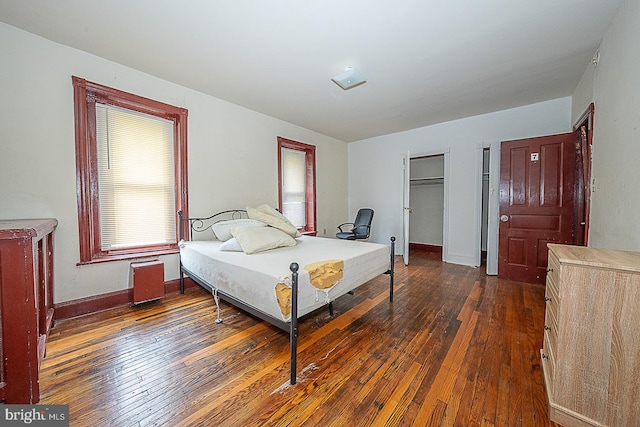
{"points": [[253, 278]]}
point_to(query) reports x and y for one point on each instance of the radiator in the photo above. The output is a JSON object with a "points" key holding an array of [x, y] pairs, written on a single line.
{"points": [[147, 280]]}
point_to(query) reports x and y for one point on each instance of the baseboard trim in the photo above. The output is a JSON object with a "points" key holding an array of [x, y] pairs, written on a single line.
{"points": [[93, 304], [423, 247]]}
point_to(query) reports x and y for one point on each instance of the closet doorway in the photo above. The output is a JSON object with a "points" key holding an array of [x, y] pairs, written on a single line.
{"points": [[484, 215], [425, 210]]}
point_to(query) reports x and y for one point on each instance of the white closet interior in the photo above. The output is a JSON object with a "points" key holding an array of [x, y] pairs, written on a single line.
{"points": [[427, 200]]}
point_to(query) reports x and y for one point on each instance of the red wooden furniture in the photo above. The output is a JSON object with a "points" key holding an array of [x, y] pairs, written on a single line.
{"points": [[148, 281], [26, 305]]}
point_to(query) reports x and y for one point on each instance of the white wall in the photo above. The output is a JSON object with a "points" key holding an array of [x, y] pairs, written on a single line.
{"points": [[614, 87], [375, 171], [583, 94], [232, 152]]}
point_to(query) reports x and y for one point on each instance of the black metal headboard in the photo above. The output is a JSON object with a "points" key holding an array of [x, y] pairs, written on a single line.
{"points": [[201, 224]]}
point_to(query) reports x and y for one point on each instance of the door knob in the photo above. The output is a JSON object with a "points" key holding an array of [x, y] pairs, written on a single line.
{"points": [[504, 218]]}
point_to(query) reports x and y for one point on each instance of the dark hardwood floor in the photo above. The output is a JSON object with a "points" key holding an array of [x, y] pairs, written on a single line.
{"points": [[454, 348]]}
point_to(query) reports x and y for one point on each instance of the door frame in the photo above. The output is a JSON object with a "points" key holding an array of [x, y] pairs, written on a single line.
{"points": [[493, 205], [406, 208], [587, 117], [407, 198]]}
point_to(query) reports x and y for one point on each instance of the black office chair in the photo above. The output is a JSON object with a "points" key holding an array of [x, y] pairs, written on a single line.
{"points": [[361, 227]]}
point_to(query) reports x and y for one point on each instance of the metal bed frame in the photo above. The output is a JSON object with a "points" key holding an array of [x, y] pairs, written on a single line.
{"points": [[205, 223]]}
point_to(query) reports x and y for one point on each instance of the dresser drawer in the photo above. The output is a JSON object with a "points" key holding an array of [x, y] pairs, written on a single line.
{"points": [[548, 360], [551, 330], [551, 289], [553, 268], [551, 298]]}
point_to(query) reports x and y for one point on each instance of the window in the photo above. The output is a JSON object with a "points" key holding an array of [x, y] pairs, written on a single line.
{"points": [[131, 162], [297, 183]]}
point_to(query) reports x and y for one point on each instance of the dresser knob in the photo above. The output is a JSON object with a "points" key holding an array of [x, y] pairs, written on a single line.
{"points": [[544, 356], [547, 328], [547, 299], [549, 270]]}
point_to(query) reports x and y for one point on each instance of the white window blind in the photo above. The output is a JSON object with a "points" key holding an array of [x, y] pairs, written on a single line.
{"points": [[294, 186], [136, 178]]}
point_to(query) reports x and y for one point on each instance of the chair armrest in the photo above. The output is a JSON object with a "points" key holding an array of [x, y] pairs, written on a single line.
{"points": [[342, 225]]}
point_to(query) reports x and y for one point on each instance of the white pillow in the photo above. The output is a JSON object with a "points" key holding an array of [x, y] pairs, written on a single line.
{"points": [[221, 229], [231, 245], [272, 217], [259, 239]]}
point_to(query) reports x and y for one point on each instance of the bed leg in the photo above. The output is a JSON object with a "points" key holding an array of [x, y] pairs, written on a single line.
{"points": [[330, 308], [181, 281], [293, 334], [216, 298], [390, 272]]}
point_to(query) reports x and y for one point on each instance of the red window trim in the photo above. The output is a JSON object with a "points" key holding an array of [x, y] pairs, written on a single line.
{"points": [[310, 167], [85, 96]]}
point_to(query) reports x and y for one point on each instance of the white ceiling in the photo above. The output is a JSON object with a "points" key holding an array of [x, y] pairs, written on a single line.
{"points": [[425, 61]]}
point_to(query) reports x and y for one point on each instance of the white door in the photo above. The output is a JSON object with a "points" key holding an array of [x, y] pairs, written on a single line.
{"points": [[406, 209]]}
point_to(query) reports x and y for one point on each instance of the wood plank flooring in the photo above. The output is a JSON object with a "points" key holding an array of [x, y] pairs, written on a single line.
{"points": [[455, 348]]}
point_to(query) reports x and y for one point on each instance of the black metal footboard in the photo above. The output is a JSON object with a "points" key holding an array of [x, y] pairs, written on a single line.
{"points": [[293, 333], [391, 270], [290, 327]]}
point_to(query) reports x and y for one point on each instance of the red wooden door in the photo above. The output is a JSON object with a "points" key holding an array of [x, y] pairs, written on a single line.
{"points": [[536, 203]]}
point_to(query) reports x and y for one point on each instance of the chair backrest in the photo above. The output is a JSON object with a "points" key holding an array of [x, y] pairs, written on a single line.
{"points": [[362, 224]]}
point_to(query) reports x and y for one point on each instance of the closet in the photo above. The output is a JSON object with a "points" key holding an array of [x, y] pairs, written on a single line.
{"points": [[427, 203], [485, 204]]}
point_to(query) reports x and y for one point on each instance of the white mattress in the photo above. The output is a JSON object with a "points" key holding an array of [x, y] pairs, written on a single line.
{"points": [[252, 278]]}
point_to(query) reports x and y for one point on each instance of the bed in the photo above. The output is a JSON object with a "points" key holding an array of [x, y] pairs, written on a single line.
{"points": [[280, 284]]}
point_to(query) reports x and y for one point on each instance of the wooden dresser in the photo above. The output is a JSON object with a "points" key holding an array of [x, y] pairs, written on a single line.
{"points": [[591, 349], [26, 305]]}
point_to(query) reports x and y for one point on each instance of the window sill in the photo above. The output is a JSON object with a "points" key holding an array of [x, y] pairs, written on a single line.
{"points": [[129, 256]]}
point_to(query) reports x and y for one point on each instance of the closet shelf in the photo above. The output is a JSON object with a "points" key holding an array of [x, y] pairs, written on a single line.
{"points": [[427, 180]]}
